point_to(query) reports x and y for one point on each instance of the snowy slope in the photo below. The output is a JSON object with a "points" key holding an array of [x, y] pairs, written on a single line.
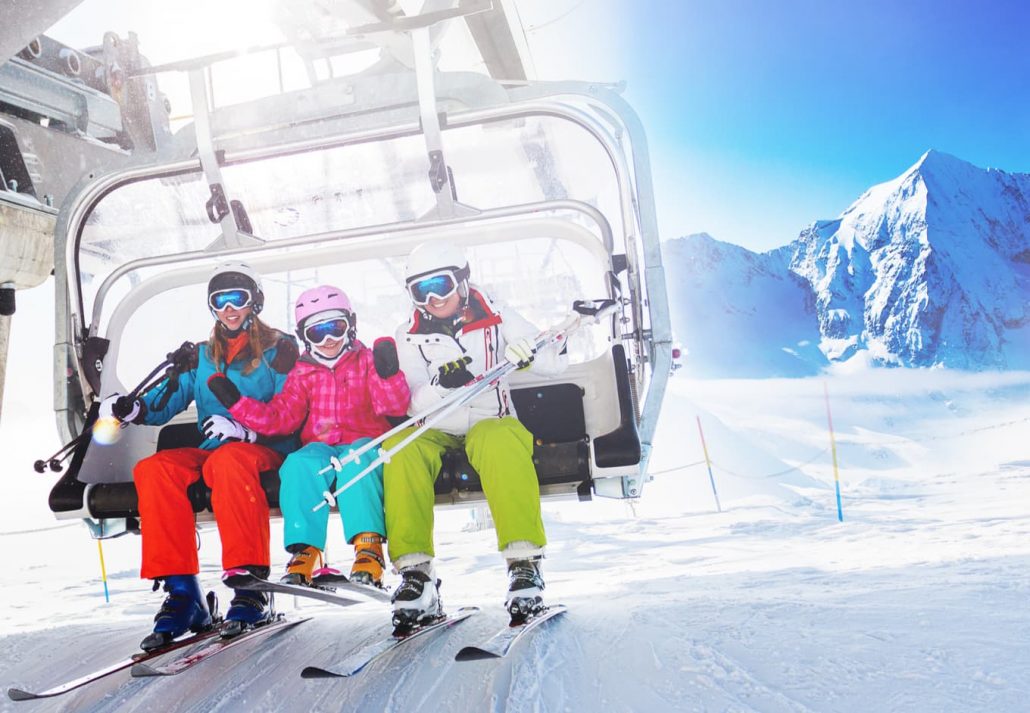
{"points": [[916, 602], [931, 268]]}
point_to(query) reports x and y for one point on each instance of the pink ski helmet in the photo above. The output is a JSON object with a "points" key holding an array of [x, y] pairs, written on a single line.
{"points": [[332, 301]]}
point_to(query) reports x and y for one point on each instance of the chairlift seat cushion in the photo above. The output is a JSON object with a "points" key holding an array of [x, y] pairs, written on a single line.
{"points": [[552, 413]]}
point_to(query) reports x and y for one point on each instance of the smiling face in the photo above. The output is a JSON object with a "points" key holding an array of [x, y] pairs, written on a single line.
{"points": [[443, 308], [331, 348], [232, 318]]}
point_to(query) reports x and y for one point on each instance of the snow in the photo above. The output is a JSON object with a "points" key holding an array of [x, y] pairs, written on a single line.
{"points": [[916, 602]]}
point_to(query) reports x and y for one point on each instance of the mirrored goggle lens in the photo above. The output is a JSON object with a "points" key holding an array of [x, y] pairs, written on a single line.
{"points": [[331, 329], [237, 299], [439, 286]]}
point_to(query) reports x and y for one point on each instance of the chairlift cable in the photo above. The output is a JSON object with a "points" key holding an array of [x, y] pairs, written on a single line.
{"points": [[560, 16]]}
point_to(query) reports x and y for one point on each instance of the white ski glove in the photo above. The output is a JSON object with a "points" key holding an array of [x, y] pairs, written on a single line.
{"points": [[227, 430], [521, 352], [120, 408]]}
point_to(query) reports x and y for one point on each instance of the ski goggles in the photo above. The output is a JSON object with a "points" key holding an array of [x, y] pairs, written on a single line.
{"points": [[440, 285], [320, 332], [237, 298]]}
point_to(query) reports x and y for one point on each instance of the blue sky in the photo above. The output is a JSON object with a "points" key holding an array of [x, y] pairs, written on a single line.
{"points": [[764, 116]]}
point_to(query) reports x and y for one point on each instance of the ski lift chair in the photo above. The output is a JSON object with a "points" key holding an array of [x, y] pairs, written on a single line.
{"points": [[306, 182], [582, 421]]}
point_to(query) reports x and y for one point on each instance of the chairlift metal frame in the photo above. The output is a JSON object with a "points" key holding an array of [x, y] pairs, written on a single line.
{"points": [[597, 109]]}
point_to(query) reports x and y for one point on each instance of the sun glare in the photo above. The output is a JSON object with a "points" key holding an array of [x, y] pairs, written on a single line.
{"points": [[106, 431]]}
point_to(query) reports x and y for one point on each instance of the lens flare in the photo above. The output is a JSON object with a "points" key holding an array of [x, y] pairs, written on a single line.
{"points": [[106, 431]]}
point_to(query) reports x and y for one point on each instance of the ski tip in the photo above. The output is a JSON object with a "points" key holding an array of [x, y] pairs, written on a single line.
{"points": [[474, 653], [316, 672], [16, 694], [142, 670]]}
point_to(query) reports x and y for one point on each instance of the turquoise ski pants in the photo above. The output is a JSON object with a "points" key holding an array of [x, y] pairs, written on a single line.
{"points": [[501, 451], [301, 488]]}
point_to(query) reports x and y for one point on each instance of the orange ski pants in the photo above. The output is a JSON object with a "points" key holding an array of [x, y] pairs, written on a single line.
{"points": [[168, 524]]}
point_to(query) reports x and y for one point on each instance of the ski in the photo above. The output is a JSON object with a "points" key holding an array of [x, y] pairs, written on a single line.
{"points": [[368, 653], [212, 647], [17, 694], [335, 589], [498, 645], [332, 582]]}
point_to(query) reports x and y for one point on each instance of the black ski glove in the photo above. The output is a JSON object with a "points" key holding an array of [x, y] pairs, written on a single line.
{"points": [[184, 358], [455, 374], [286, 355], [384, 354], [223, 389], [123, 408]]}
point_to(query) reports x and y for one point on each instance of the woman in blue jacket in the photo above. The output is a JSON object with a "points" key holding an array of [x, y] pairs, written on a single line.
{"points": [[256, 358]]}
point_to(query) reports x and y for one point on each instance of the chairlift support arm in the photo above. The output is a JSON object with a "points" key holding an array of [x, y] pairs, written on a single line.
{"points": [[221, 208]]}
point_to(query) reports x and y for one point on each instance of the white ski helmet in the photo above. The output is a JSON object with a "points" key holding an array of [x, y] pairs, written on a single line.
{"points": [[234, 273], [435, 256]]}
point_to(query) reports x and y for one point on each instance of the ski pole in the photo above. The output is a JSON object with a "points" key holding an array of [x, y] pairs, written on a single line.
{"points": [[64, 452], [437, 416], [582, 308], [595, 311], [457, 394]]}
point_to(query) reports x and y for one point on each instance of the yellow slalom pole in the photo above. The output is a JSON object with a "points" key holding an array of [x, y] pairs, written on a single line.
{"points": [[833, 450], [103, 570], [708, 462]]}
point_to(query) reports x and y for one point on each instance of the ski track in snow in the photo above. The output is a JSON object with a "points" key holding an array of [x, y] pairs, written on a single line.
{"points": [[917, 602]]}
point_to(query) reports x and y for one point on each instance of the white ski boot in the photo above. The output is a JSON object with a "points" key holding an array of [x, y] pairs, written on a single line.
{"points": [[417, 599], [525, 589]]}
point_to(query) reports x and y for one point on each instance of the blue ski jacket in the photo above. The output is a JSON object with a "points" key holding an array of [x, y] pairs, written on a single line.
{"points": [[264, 382]]}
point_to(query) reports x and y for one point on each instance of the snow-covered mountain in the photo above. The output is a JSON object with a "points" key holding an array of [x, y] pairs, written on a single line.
{"points": [[931, 268], [726, 300]]}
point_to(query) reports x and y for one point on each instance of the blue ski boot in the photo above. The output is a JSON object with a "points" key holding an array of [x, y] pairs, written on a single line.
{"points": [[184, 609], [248, 608]]}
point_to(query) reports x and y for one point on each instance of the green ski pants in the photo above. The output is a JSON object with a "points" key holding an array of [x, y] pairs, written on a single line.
{"points": [[501, 451]]}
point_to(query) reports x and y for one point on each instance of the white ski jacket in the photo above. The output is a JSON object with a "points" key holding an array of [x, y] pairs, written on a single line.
{"points": [[424, 344]]}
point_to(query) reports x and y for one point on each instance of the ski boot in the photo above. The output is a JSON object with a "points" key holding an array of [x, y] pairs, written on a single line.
{"points": [[368, 560], [248, 609], [184, 609], [300, 567], [525, 589], [416, 600]]}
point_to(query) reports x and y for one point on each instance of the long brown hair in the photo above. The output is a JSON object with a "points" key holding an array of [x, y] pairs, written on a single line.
{"points": [[261, 337]]}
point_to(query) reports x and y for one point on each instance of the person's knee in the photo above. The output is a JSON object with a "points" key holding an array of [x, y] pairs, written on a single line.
{"points": [[498, 435], [151, 466], [414, 455], [227, 462], [302, 463], [396, 439]]}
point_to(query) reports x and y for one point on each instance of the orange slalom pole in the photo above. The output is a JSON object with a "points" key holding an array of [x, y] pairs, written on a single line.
{"points": [[833, 450], [103, 570], [708, 462]]}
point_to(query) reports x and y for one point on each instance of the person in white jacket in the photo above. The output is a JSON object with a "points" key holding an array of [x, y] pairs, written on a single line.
{"points": [[455, 333]]}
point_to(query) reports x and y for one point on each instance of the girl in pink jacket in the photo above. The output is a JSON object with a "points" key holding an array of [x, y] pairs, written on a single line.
{"points": [[338, 394]]}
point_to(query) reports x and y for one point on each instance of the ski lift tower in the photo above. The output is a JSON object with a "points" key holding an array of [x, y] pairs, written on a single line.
{"points": [[65, 113]]}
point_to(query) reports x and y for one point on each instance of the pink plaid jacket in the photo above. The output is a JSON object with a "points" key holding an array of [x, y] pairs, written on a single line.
{"points": [[335, 406]]}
